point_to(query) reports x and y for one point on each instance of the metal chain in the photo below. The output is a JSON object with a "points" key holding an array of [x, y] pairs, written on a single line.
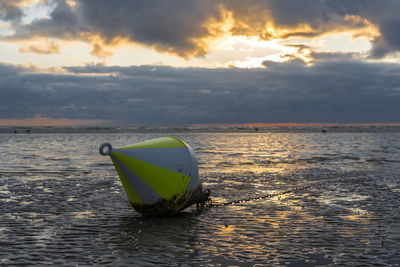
{"points": [[259, 197], [206, 201]]}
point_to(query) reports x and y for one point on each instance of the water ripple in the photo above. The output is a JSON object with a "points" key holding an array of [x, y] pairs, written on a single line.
{"points": [[62, 204]]}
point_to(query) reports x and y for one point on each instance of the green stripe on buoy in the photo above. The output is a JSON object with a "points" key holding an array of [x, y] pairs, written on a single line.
{"points": [[165, 182], [156, 143], [130, 192]]}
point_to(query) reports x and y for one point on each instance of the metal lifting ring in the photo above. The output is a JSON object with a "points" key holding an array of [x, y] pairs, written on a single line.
{"points": [[108, 151]]}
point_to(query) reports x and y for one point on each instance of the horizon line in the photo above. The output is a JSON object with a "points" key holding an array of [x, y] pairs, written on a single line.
{"points": [[95, 123], [290, 124]]}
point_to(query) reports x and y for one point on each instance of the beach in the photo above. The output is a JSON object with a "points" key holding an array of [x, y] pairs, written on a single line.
{"points": [[62, 203]]}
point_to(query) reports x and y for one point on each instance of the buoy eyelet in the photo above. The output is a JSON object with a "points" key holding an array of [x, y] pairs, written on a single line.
{"points": [[108, 151]]}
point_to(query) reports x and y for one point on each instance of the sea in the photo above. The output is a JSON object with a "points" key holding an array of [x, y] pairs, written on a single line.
{"points": [[296, 196]]}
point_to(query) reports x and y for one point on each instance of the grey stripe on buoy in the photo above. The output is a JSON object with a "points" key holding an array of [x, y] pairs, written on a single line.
{"points": [[171, 158], [144, 191], [194, 171]]}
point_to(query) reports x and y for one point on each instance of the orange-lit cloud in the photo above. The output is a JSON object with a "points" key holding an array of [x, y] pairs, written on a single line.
{"points": [[46, 47], [23, 3], [45, 121], [100, 51], [71, 3], [189, 28]]}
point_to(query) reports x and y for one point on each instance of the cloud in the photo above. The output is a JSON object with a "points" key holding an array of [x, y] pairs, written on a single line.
{"points": [[10, 11], [186, 28], [48, 47], [62, 23], [174, 26], [335, 92], [43, 121], [99, 51], [330, 56], [377, 20]]}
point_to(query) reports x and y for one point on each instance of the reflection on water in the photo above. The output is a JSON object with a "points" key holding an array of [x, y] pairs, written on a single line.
{"points": [[62, 203]]}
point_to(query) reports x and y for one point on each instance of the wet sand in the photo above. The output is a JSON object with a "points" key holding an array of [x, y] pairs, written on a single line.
{"points": [[62, 204]]}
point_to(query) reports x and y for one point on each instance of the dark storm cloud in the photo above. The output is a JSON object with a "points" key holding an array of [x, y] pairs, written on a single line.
{"points": [[167, 25], [171, 26], [63, 23], [182, 27], [338, 91], [9, 11], [327, 56]]}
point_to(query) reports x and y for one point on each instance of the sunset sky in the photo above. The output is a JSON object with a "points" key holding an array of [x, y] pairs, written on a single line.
{"points": [[157, 62]]}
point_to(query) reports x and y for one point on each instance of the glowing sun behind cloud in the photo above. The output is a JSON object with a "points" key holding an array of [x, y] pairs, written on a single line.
{"points": [[250, 52]]}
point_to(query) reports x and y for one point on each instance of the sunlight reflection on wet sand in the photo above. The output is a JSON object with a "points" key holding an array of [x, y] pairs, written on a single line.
{"points": [[63, 207]]}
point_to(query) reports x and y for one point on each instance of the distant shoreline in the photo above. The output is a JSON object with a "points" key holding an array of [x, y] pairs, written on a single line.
{"points": [[197, 129]]}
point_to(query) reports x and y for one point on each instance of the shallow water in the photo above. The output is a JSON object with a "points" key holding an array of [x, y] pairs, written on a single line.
{"points": [[62, 203]]}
